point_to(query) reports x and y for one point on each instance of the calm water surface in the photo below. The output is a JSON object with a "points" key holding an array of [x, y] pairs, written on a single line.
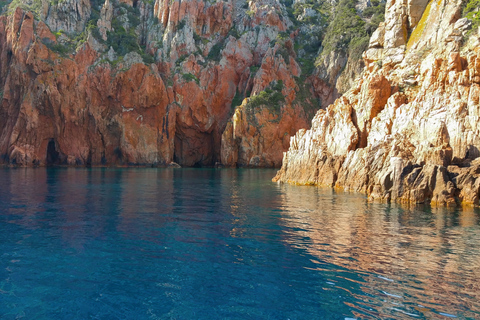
{"points": [[224, 244]]}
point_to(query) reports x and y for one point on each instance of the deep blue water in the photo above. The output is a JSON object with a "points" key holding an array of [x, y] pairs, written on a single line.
{"points": [[224, 244]]}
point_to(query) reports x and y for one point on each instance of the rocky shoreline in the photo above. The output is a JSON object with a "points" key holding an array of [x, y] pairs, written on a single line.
{"points": [[408, 131], [236, 83]]}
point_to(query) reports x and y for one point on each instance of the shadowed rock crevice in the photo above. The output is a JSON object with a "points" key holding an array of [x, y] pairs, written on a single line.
{"points": [[53, 156], [194, 149]]}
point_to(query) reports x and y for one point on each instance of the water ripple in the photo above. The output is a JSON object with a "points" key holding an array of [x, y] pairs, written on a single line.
{"points": [[225, 244]]}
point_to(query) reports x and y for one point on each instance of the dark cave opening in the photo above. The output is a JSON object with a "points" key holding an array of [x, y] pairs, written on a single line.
{"points": [[197, 165], [195, 149], [53, 156]]}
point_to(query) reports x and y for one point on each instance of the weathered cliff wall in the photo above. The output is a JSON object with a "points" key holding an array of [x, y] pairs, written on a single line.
{"points": [[82, 114], [409, 129], [139, 82]]}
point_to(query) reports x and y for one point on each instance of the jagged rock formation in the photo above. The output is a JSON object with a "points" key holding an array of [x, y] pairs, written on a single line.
{"points": [[59, 106], [258, 134], [69, 16], [409, 129], [92, 82]]}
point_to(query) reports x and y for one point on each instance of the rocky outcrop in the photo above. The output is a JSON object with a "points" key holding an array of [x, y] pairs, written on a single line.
{"points": [[408, 131], [97, 102], [61, 111], [105, 22], [262, 125], [257, 138], [69, 16], [122, 82]]}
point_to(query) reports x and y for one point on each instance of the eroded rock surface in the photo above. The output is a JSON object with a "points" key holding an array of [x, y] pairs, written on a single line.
{"points": [[408, 130], [121, 82]]}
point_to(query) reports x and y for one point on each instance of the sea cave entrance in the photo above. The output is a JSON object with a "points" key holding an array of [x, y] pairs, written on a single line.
{"points": [[195, 149], [53, 156]]}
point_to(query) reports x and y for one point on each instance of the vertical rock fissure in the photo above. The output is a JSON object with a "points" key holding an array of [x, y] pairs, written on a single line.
{"points": [[177, 149]]}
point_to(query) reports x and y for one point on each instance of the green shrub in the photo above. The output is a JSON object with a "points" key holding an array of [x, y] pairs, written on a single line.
{"points": [[180, 60], [147, 58], [345, 26], [129, 9], [120, 40], [377, 9], [471, 8], [307, 66], [97, 5], [271, 98], [312, 47], [472, 12], [237, 100], [196, 37], [348, 32], [234, 33], [62, 49], [58, 33], [92, 28], [190, 77], [181, 25], [3, 4], [282, 51], [216, 51], [35, 6], [282, 37], [133, 19]]}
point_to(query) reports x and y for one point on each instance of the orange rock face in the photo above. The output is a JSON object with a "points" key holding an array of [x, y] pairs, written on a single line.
{"points": [[408, 130], [258, 134], [80, 113], [79, 109], [150, 83], [256, 138]]}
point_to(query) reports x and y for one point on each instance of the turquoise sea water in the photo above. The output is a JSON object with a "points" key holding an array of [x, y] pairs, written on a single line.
{"points": [[224, 244]]}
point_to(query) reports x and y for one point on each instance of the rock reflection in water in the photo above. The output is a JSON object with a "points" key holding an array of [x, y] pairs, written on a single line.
{"points": [[406, 261], [224, 244]]}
